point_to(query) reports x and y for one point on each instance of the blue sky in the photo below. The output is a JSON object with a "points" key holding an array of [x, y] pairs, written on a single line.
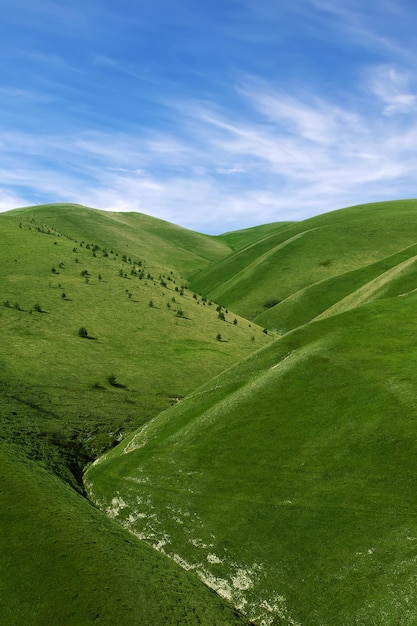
{"points": [[215, 115]]}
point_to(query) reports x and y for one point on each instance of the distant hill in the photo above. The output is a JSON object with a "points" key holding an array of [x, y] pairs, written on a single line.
{"points": [[289, 260]]}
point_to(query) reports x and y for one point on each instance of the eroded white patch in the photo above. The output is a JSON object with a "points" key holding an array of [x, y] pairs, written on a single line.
{"points": [[213, 558], [117, 505], [241, 580]]}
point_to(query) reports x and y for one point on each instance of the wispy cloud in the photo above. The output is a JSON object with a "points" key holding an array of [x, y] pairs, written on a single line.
{"points": [[395, 90], [214, 118], [289, 157]]}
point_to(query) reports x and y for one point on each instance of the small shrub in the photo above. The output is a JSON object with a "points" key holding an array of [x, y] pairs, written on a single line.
{"points": [[37, 308], [112, 380], [218, 337], [83, 332]]}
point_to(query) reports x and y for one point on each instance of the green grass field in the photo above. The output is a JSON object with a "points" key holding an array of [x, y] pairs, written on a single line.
{"points": [[67, 398], [275, 468], [291, 480], [290, 259]]}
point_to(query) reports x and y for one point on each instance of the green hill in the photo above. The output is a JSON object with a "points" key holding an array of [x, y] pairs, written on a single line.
{"points": [[284, 262], [99, 334], [288, 483], [64, 562], [278, 472]]}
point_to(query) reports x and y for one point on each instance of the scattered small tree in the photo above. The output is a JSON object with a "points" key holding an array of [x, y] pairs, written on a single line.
{"points": [[38, 308], [218, 337], [83, 332]]}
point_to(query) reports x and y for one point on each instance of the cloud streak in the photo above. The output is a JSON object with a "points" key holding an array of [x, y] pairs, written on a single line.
{"points": [[288, 158], [154, 127]]}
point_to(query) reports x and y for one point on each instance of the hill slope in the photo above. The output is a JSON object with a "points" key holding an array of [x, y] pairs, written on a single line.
{"points": [[145, 342], [97, 338], [66, 563], [161, 243], [289, 482], [291, 259]]}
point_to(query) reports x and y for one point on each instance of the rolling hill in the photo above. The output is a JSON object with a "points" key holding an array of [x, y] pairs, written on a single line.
{"points": [[287, 261], [275, 467], [288, 483], [99, 334]]}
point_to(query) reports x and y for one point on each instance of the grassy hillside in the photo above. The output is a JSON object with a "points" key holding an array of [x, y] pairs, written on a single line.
{"points": [[97, 338], [78, 567], [161, 243], [281, 473], [393, 275], [148, 340], [288, 483], [242, 238], [291, 259]]}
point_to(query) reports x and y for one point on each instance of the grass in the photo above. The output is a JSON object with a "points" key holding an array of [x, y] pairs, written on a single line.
{"points": [[291, 259], [78, 567], [156, 355], [307, 449], [278, 472], [392, 275], [68, 396]]}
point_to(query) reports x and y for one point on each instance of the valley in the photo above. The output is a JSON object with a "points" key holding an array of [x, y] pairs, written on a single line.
{"points": [[240, 409]]}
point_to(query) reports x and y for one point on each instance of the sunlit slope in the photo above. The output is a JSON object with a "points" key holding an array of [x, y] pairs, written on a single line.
{"points": [[64, 562], [283, 263], [393, 275], [288, 483], [236, 239], [67, 396], [134, 234], [149, 341]]}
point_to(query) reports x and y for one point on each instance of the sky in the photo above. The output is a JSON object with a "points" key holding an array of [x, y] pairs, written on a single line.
{"points": [[215, 115]]}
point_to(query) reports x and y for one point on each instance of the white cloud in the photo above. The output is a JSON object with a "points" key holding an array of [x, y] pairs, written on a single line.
{"points": [[394, 89], [288, 156]]}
